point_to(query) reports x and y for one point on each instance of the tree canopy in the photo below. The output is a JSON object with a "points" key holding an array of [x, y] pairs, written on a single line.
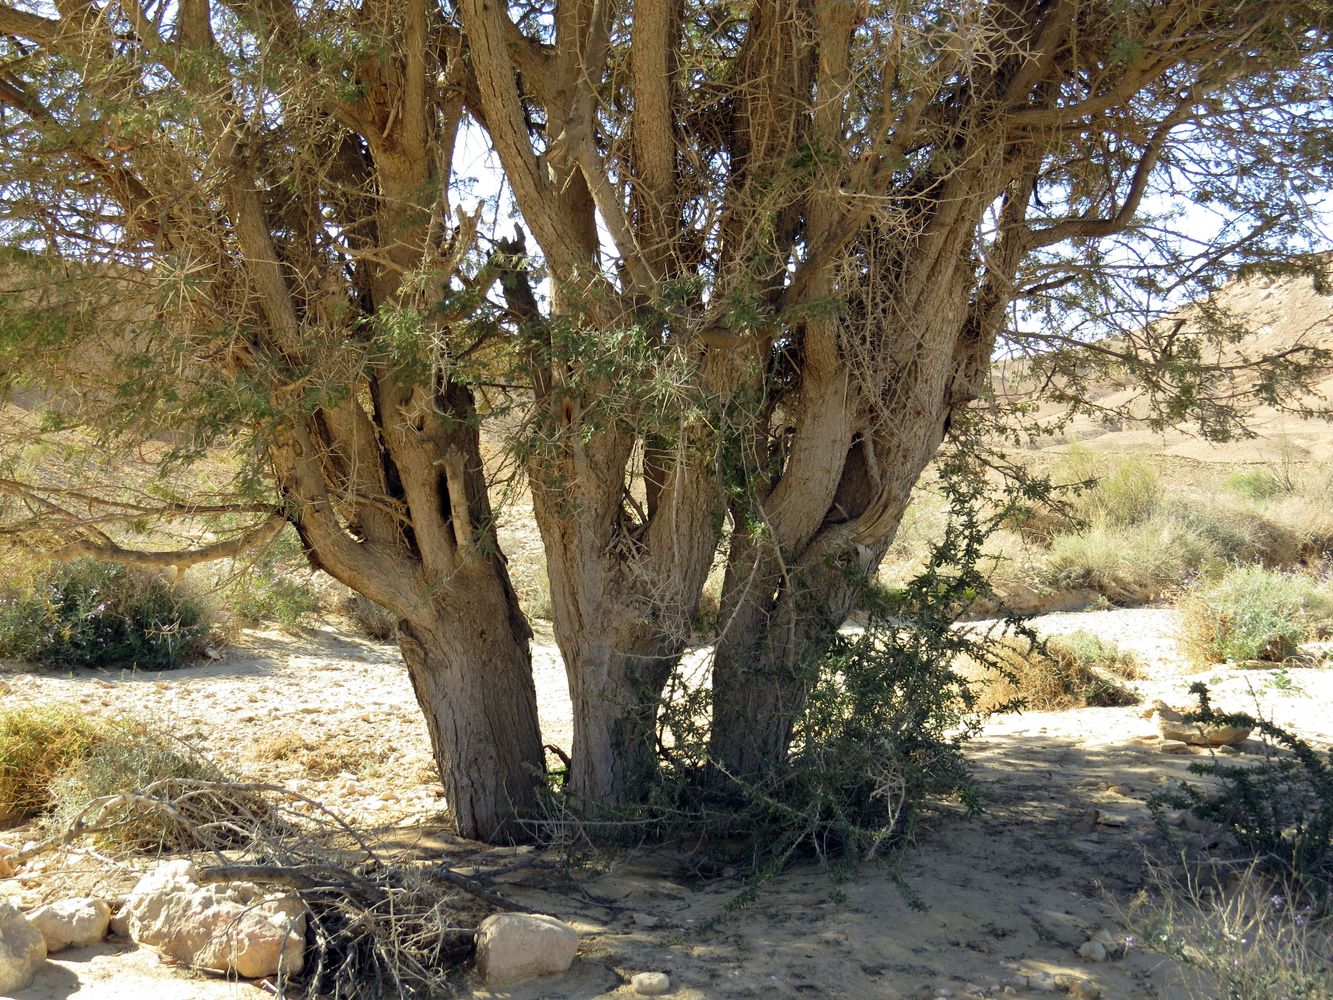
{"points": [[762, 255]]}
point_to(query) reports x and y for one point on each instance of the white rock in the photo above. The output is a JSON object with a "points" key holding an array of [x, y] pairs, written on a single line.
{"points": [[515, 946], [22, 950], [1175, 746], [1172, 725], [651, 984], [71, 923], [235, 928], [1093, 951]]}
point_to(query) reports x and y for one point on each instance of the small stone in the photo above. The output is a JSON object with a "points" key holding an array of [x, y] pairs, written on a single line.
{"points": [[1112, 819], [516, 946], [7, 868], [1020, 980], [1009, 991], [22, 950], [1093, 951], [71, 923], [651, 984], [1081, 989], [646, 920], [1043, 982], [1107, 940], [1175, 747]]}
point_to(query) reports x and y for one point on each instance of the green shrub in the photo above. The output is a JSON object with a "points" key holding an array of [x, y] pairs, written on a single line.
{"points": [[1256, 484], [1252, 613], [1279, 808], [266, 596], [1128, 564], [1123, 493], [84, 614]]}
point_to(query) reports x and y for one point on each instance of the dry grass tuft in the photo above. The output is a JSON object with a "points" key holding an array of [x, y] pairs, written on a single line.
{"points": [[318, 758], [1054, 677], [371, 619], [1245, 936]]}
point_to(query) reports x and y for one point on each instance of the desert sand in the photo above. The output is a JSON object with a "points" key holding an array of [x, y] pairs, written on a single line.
{"points": [[1016, 892]]}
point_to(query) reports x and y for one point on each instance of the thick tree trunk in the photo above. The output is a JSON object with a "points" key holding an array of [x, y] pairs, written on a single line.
{"points": [[471, 668], [765, 663], [615, 699]]}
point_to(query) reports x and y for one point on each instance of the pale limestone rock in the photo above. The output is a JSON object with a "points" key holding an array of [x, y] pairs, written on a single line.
{"points": [[71, 923], [235, 928], [516, 946], [22, 950], [1093, 951], [1172, 725], [651, 984]]}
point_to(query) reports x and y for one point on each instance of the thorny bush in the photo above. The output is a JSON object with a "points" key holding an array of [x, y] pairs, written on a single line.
{"points": [[1280, 809], [878, 741]]}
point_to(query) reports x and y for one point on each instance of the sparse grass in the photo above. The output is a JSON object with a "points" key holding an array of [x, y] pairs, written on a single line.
{"points": [[1252, 939], [371, 620], [1056, 676], [1128, 564], [1253, 613], [85, 614], [319, 758], [1257, 484], [265, 595], [54, 758], [1097, 653]]}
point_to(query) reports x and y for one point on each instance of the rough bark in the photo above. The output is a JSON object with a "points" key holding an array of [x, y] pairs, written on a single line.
{"points": [[469, 659]]}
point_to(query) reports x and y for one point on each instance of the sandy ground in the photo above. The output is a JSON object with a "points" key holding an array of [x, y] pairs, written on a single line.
{"points": [[1017, 891]]}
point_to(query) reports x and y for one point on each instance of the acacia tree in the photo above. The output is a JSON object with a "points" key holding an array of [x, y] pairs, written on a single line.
{"points": [[766, 252]]}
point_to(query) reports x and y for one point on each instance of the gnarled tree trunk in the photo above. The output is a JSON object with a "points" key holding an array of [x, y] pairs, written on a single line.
{"points": [[471, 668]]}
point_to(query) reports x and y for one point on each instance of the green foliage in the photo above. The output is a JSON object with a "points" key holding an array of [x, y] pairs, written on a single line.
{"points": [[274, 588], [87, 614], [1279, 809], [1128, 563], [878, 738], [1252, 613], [269, 597], [1124, 493], [1256, 484]]}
